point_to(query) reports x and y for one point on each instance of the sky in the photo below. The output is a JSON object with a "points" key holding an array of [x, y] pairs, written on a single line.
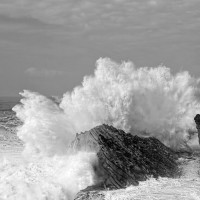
{"points": [[49, 45]]}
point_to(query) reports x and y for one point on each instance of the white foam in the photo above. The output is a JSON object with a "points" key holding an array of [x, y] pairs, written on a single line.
{"points": [[53, 178]]}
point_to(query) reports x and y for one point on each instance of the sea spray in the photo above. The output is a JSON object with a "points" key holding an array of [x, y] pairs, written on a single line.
{"points": [[50, 169], [50, 178], [149, 101], [143, 100], [45, 130]]}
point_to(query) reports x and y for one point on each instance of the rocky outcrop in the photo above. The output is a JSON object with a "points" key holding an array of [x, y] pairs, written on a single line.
{"points": [[125, 159], [197, 121], [91, 193]]}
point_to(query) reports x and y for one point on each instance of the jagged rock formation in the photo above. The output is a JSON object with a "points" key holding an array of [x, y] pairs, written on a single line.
{"points": [[125, 159], [197, 121], [91, 193]]}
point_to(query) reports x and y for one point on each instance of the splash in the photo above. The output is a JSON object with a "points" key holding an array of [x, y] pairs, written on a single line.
{"points": [[144, 101], [149, 101], [45, 129], [55, 178]]}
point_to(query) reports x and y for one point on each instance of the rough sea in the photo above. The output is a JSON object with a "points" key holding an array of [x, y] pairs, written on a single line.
{"points": [[35, 180], [35, 163], [9, 142]]}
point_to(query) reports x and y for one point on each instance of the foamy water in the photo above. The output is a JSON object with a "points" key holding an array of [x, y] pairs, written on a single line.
{"points": [[56, 179], [44, 178], [184, 188], [61, 177]]}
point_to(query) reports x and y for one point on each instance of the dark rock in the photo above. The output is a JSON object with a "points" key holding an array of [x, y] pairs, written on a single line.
{"points": [[125, 159], [197, 121], [91, 193]]}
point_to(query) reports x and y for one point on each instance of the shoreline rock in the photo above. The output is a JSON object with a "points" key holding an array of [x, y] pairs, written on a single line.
{"points": [[197, 121], [124, 159]]}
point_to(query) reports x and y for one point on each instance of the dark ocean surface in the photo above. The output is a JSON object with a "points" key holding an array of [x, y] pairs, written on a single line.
{"points": [[7, 103]]}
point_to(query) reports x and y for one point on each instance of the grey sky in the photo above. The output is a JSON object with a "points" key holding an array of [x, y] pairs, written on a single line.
{"points": [[49, 45]]}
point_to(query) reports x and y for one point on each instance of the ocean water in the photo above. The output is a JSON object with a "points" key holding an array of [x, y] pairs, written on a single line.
{"points": [[10, 145], [48, 179], [55, 178], [35, 162], [7, 103]]}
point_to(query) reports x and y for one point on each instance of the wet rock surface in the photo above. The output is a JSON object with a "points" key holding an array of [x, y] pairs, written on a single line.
{"points": [[197, 121], [124, 159], [91, 193]]}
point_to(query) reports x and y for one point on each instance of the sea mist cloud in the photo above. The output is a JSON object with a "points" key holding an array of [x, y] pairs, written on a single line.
{"points": [[149, 101]]}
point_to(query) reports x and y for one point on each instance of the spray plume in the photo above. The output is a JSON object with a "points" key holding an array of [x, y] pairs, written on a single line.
{"points": [[144, 100]]}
